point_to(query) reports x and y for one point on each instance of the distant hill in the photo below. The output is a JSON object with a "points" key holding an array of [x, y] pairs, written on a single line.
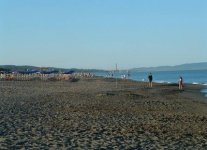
{"points": [[26, 68], [19, 68], [191, 66]]}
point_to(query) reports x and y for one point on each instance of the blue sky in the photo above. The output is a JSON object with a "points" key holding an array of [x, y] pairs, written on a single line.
{"points": [[100, 33]]}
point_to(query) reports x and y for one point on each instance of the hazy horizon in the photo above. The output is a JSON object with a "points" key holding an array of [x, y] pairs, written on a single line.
{"points": [[95, 34], [106, 69]]}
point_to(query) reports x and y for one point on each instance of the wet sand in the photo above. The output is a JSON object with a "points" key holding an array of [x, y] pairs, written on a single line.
{"points": [[94, 114]]}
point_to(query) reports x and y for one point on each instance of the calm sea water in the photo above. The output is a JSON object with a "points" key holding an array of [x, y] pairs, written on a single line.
{"points": [[192, 77]]}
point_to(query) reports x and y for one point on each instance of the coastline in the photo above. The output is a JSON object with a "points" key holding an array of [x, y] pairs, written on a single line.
{"points": [[202, 89], [93, 113]]}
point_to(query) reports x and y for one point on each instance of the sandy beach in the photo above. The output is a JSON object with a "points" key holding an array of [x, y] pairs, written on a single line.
{"points": [[95, 114]]}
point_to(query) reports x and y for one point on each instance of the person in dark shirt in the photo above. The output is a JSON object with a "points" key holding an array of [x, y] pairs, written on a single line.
{"points": [[150, 78]]}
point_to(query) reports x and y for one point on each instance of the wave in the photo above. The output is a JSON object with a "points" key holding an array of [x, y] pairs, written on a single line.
{"points": [[162, 81], [196, 83]]}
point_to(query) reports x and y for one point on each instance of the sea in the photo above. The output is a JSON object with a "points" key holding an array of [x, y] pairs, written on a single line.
{"points": [[189, 76]]}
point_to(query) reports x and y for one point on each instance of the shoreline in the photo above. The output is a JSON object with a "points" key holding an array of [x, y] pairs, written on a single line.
{"points": [[202, 90]]}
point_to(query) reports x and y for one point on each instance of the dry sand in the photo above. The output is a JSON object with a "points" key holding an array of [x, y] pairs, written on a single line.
{"points": [[94, 114]]}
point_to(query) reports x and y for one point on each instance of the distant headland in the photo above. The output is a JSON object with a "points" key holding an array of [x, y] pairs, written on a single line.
{"points": [[189, 66]]}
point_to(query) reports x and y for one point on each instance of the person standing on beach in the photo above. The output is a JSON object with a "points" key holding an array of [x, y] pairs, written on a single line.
{"points": [[150, 78], [180, 82]]}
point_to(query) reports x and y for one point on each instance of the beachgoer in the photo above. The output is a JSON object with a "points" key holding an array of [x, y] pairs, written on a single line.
{"points": [[150, 78], [180, 82]]}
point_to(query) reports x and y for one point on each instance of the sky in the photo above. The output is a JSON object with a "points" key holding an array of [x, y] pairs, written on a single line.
{"points": [[99, 34]]}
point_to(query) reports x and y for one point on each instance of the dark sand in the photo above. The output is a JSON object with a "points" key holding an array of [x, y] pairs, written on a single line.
{"points": [[94, 114]]}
